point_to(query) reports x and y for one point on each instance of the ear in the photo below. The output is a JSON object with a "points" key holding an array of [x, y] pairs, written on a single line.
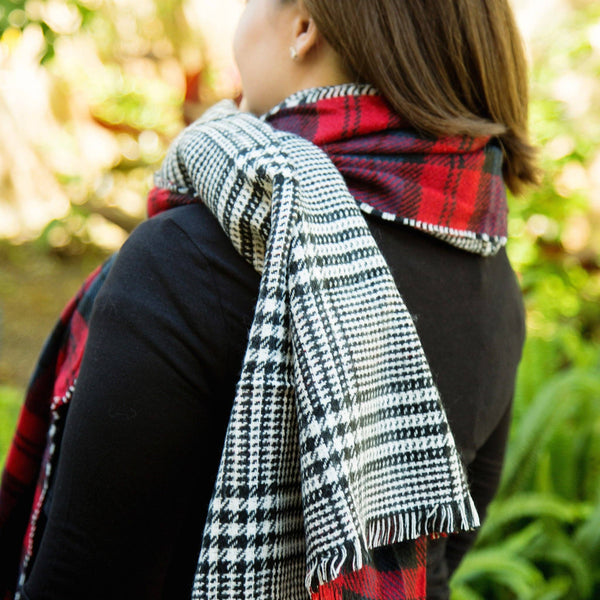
{"points": [[306, 34]]}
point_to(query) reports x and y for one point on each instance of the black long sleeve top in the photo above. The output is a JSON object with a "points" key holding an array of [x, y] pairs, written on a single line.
{"points": [[145, 429]]}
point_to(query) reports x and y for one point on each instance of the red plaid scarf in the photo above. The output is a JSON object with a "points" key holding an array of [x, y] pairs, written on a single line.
{"points": [[453, 183], [443, 185]]}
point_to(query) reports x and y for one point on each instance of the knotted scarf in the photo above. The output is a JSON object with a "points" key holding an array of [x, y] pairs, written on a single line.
{"points": [[337, 442]]}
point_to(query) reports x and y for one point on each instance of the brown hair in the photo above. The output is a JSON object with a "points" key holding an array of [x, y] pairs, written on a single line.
{"points": [[450, 67]]}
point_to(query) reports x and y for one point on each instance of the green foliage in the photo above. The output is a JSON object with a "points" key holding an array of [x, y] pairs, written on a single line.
{"points": [[542, 535], [541, 540], [19, 14], [11, 400], [561, 421], [114, 83]]}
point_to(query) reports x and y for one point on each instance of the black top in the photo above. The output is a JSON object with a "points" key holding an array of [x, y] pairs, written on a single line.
{"points": [[146, 425]]}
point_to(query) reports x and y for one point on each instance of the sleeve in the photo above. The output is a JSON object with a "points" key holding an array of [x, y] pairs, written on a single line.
{"points": [[144, 432], [484, 474]]}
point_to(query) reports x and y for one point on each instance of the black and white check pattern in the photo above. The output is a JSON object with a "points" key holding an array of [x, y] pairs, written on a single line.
{"points": [[337, 441]]}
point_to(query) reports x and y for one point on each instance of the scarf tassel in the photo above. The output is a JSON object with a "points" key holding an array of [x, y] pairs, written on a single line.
{"points": [[453, 516], [348, 558]]}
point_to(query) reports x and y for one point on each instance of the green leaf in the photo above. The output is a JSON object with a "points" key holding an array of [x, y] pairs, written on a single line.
{"points": [[505, 513], [556, 589], [464, 592], [499, 567], [555, 551], [587, 537], [11, 400], [547, 412]]}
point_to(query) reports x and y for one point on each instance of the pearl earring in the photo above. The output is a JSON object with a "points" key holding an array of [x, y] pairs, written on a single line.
{"points": [[293, 53]]}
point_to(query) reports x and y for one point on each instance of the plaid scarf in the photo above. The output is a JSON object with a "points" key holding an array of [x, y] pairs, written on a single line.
{"points": [[35, 447], [450, 187], [307, 344]]}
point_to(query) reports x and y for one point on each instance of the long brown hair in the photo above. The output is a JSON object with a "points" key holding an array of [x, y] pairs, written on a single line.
{"points": [[450, 67]]}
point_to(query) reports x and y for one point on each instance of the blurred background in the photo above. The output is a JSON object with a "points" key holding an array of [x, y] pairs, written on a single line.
{"points": [[93, 91]]}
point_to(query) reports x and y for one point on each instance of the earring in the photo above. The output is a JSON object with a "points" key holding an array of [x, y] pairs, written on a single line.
{"points": [[293, 53]]}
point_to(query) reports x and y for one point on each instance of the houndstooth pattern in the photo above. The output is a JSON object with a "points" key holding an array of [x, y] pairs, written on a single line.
{"points": [[337, 441]]}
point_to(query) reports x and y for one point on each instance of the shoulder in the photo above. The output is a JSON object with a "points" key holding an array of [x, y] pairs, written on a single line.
{"points": [[185, 245], [178, 280], [175, 229]]}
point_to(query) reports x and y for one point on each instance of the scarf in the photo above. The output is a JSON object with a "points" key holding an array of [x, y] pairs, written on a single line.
{"points": [[449, 187], [337, 442]]}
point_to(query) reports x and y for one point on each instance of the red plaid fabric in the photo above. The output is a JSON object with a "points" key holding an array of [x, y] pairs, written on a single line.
{"points": [[398, 573], [451, 183]]}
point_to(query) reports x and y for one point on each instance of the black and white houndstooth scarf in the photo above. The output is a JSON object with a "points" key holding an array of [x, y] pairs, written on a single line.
{"points": [[337, 441]]}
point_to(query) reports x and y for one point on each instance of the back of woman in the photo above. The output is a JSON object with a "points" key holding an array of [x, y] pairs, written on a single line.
{"points": [[421, 107]]}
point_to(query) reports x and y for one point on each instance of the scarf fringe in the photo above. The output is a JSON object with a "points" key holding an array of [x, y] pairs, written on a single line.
{"points": [[451, 517], [454, 516], [349, 557]]}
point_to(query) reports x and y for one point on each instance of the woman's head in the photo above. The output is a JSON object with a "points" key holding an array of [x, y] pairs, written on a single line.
{"points": [[449, 67], [279, 50]]}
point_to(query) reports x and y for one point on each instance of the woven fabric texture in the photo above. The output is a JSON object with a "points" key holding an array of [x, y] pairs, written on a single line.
{"points": [[337, 442]]}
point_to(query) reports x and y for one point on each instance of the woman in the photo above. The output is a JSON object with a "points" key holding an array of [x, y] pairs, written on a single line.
{"points": [[337, 466]]}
